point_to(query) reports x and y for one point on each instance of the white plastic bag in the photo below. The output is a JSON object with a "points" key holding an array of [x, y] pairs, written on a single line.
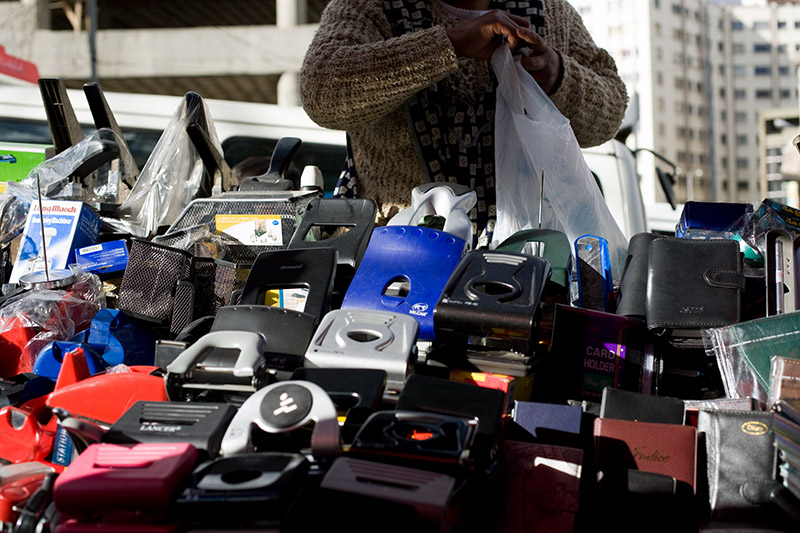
{"points": [[531, 136]]}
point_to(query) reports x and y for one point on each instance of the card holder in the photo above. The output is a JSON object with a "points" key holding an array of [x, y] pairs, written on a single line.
{"points": [[741, 462], [693, 284]]}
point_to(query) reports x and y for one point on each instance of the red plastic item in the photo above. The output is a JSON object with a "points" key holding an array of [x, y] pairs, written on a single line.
{"points": [[111, 477], [14, 495], [74, 368], [103, 398], [14, 348], [24, 437]]}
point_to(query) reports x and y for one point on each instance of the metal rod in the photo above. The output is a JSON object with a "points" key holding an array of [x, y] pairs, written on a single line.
{"points": [[41, 222], [541, 199]]}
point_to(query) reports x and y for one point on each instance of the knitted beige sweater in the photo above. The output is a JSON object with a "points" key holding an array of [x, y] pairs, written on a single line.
{"points": [[356, 76]]}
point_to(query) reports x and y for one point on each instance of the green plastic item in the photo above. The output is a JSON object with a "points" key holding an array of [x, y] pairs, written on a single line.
{"points": [[26, 157], [557, 250]]}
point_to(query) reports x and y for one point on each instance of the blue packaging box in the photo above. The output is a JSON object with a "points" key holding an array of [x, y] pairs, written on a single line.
{"points": [[104, 258], [704, 219], [68, 225]]}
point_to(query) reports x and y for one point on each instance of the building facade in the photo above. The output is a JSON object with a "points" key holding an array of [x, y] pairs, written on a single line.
{"points": [[703, 76]]}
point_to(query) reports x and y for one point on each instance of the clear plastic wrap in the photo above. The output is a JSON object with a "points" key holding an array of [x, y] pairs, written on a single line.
{"points": [[533, 137], [744, 352], [751, 229], [170, 179], [48, 315], [200, 241], [97, 160], [13, 213]]}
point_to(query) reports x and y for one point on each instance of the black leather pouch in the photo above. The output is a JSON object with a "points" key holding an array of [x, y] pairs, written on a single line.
{"points": [[693, 284], [741, 462], [631, 301]]}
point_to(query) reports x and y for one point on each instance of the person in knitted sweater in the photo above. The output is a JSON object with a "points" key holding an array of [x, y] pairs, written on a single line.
{"points": [[411, 84]]}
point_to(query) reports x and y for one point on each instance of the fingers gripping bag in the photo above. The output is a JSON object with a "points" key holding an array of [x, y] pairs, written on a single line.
{"points": [[531, 137]]}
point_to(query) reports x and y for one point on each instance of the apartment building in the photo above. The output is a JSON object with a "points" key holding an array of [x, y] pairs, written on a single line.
{"points": [[704, 75]]}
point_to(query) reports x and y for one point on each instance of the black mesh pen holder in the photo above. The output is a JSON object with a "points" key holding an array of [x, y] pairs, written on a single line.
{"points": [[150, 282], [213, 283]]}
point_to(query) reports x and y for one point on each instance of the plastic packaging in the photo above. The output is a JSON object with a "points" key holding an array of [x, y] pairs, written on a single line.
{"points": [[13, 213], [744, 351], [532, 137], [96, 160], [172, 176], [751, 229], [200, 241], [46, 316]]}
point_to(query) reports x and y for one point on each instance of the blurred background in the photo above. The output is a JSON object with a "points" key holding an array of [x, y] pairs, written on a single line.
{"points": [[713, 84]]}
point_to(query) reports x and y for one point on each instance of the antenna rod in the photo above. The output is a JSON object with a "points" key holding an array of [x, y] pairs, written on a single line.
{"points": [[41, 222]]}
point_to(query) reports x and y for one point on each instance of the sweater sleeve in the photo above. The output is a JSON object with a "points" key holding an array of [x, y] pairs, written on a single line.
{"points": [[591, 93], [356, 72]]}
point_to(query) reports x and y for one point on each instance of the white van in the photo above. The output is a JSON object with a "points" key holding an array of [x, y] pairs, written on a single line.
{"points": [[246, 129]]}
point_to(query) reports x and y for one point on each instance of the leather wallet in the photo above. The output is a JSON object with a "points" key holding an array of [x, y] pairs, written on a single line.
{"points": [[636, 406], [741, 462], [543, 487], [631, 300], [668, 449], [693, 284]]}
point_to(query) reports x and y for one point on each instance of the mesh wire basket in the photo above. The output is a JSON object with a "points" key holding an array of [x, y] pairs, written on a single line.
{"points": [[170, 287], [148, 286]]}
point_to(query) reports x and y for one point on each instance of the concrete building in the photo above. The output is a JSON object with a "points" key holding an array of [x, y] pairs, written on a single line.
{"points": [[662, 51], [236, 49], [700, 72]]}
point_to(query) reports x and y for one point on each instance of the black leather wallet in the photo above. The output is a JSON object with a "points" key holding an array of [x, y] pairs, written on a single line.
{"points": [[631, 300], [629, 405], [741, 462], [693, 284]]}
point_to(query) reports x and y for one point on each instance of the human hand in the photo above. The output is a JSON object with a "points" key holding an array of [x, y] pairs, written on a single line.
{"points": [[540, 60], [478, 38]]}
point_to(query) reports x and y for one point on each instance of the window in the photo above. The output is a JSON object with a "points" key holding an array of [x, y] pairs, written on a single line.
{"points": [[657, 3], [723, 116], [738, 71], [741, 140], [722, 70], [763, 70], [786, 94], [761, 48], [742, 185], [722, 92], [723, 162], [740, 94], [738, 25], [742, 162], [797, 24], [740, 116], [783, 70], [723, 139], [781, 48], [738, 48], [676, 9], [761, 25], [764, 94], [781, 24]]}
